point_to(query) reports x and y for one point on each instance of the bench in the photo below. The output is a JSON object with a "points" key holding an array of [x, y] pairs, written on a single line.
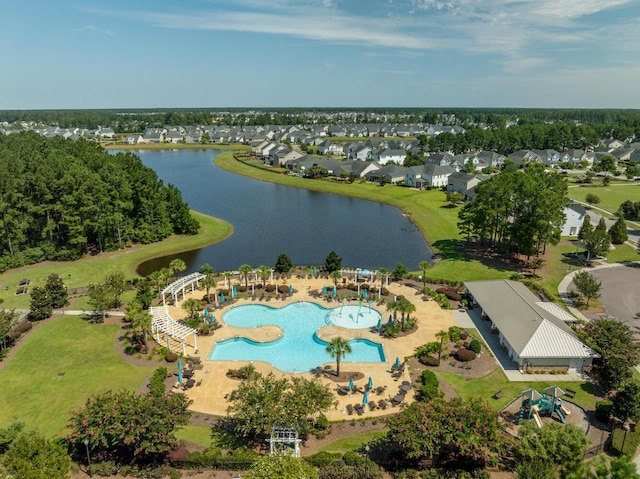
{"points": [[570, 393], [498, 395]]}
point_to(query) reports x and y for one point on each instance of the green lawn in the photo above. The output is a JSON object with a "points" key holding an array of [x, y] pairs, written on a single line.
{"points": [[200, 435], [623, 253], [487, 386], [354, 442], [93, 269], [34, 390], [610, 197]]}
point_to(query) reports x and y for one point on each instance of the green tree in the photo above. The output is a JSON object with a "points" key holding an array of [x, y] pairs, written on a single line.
{"points": [[587, 285], [100, 298], [405, 307], [333, 262], [282, 466], [140, 320], [607, 164], [245, 270], [335, 277], [283, 264], [617, 468], [597, 243], [592, 199], [619, 351], [618, 232], [145, 294], [424, 266], [207, 283], [466, 433], [399, 271], [126, 427], [39, 304], [32, 456], [560, 444], [207, 270], [626, 402], [6, 323], [56, 291], [442, 336], [454, 198], [192, 306], [264, 401], [586, 230], [117, 285], [264, 272], [338, 348]]}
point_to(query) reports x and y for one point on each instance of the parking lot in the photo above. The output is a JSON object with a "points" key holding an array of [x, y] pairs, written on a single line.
{"points": [[620, 293]]}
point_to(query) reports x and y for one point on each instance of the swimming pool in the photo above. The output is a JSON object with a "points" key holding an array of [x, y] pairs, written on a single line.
{"points": [[299, 349]]}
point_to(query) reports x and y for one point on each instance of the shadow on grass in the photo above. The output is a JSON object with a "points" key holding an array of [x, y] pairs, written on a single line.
{"points": [[450, 249]]}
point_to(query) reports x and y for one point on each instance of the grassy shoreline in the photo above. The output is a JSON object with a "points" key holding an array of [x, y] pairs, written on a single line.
{"points": [[93, 269], [176, 146]]}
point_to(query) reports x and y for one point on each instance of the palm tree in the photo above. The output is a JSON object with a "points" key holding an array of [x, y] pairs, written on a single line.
{"points": [[157, 279], [424, 266], [140, 321], [166, 274], [208, 282], [191, 305], [177, 266], [227, 278], [393, 307], [245, 270], [265, 273], [338, 348], [406, 308], [384, 272], [207, 270], [442, 336], [335, 276]]}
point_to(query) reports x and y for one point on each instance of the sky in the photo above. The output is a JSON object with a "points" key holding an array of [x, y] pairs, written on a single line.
{"points": [[320, 53]]}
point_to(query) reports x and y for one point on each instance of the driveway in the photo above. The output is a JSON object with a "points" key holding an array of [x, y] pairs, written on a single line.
{"points": [[620, 292]]}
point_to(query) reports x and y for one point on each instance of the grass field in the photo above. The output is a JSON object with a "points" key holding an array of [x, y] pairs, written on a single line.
{"points": [[93, 269], [352, 443], [487, 386], [200, 435], [35, 391], [610, 197]]}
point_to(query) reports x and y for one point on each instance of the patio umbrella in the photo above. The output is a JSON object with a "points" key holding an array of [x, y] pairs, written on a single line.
{"points": [[212, 319], [370, 383], [222, 297], [365, 398], [351, 385], [206, 313], [379, 323], [315, 271], [364, 293], [290, 289], [365, 272], [333, 291], [397, 364], [180, 366], [324, 290], [234, 292], [180, 377], [390, 320]]}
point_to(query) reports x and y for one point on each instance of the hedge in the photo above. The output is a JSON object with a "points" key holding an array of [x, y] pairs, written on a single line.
{"points": [[475, 346]]}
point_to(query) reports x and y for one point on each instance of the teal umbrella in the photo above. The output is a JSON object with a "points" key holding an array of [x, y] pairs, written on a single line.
{"points": [[351, 385], [222, 297], [397, 364], [206, 313], [365, 398], [290, 288], [315, 271], [234, 292], [324, 290], [180, 376], [180, 366], [380, 323], [333, 291], [364, 293], [370, 383]]}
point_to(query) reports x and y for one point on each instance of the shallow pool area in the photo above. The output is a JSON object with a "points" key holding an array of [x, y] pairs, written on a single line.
{"points": [[299, 349]]}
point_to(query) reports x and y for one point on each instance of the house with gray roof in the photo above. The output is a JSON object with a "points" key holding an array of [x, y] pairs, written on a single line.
{"points": [[574, 217], [390, 156], [359, 169], [533, 333], [390, 173], [428, 175], [461, 182]]}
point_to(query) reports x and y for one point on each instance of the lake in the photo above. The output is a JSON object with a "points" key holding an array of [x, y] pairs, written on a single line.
{"points": [[270, 219]]}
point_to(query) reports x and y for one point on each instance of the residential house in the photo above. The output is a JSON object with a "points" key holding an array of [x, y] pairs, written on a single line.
{"points": [[390, 156], [574, 217], [524, 157], [362, 153], [461, 182], [328, 147], [390, 173], [279, 156], [533, 333], [550, 158], [359, 169], [441, 159], [134, 139], [428, 176]]}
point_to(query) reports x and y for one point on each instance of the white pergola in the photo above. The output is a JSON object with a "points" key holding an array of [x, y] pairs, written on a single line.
{"points": [[179, 285], [284, 437], [161, 322]]}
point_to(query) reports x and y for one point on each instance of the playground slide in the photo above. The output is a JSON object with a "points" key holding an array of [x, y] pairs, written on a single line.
{"points": [[565, 410], [536, 417], [561, 415]]}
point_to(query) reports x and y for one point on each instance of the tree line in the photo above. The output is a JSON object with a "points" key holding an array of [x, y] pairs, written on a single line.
{"points": [[61, 199], [518, 211]]}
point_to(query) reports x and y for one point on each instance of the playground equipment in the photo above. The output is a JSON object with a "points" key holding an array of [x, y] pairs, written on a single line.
{"points": [[549, 402]]}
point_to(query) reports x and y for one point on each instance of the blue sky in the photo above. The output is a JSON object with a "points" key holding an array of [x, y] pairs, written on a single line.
{"points": [[322, 53]]}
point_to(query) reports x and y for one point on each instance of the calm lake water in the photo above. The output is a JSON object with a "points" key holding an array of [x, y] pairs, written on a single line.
{"points": [[270, 219]]}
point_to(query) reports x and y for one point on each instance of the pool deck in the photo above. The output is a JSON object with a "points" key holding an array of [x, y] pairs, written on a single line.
{"points": [[210, 396]]}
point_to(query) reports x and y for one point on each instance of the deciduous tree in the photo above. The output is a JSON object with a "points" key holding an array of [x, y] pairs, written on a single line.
{"points": [[32, 456], [587, 285]]}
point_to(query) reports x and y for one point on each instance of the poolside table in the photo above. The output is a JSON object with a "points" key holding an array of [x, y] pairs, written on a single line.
{"points": [[187, 373], [406, 387], [397, 399]]}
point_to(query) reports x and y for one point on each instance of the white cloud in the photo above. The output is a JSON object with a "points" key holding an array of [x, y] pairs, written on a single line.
{"points": [[93, 28]]}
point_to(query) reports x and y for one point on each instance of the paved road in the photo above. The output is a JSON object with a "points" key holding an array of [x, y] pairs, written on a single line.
{"points": [[621, 292]]}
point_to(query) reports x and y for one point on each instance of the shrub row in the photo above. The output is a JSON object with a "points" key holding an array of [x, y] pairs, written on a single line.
{"points": [[429, 389]]}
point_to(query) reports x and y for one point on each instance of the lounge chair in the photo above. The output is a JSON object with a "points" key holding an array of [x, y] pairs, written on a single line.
{"points": [[372, 405], [349, 409], [382, 404], [359, 409]]}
